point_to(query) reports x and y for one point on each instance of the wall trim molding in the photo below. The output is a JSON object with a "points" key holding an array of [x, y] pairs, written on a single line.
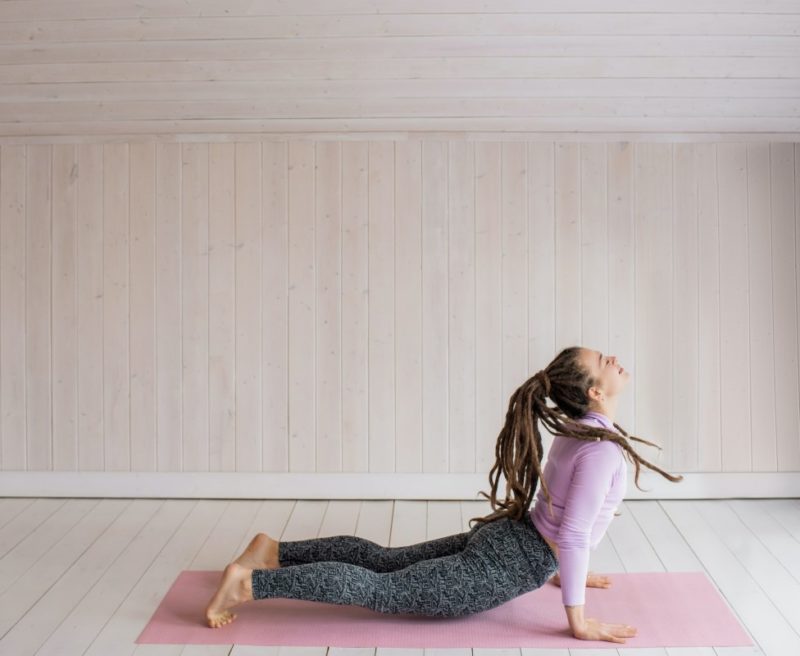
{"points": [[390, 485], [459, 135]]}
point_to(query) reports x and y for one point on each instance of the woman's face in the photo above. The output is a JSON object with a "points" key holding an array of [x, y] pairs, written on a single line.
{"points": [[610, 375]]}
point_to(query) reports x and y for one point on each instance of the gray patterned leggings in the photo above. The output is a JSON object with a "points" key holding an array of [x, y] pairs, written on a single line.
{"points": [[451, 576]]}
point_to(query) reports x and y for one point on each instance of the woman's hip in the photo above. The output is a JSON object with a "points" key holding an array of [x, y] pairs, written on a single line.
{"points": [[514, 549]]}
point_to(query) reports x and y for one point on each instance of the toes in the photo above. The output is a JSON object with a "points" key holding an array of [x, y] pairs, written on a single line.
{"points": [[221, 619]]}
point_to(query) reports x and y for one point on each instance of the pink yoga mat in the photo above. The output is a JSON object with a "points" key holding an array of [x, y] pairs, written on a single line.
{"points": [[669, 609]]}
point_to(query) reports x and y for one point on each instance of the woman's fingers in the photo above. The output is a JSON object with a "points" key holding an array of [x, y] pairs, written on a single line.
{"points": [[615, 635], [624, 630]]}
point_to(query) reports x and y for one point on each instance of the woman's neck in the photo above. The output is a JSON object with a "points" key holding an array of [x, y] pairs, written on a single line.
{"points": [[608, 413]]}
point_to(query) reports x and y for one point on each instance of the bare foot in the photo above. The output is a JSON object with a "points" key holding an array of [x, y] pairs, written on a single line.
{"points": [[234, 589], [261, 553]]}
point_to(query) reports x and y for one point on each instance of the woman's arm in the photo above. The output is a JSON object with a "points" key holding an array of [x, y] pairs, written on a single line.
{"points": [[592, 478]]}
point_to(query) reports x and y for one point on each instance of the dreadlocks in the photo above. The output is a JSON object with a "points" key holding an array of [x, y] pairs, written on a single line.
{"points": [[519, 446]]}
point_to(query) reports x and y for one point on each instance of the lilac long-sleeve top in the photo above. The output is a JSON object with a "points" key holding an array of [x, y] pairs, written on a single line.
{"points": [[587, 481]]}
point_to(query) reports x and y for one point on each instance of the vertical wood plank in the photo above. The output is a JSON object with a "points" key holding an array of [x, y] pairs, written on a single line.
{"points": [[735, 335], [302, 311], [408, 292], [222, 307], [168, 305], [568, 281], [143, 306], [685, 390], [784, 308], [381, 308], [90, 307], [654, 303], [461, 306], [515, 266], [434, 307], [327, 233], [65, 365], [762, 337], [621, 258], [116, 307], [38, 374], [275, 282], [194, 304], [355, 307], [709, 447], [13, 171], [594, 249], [541, 264], [248, 307], [491, 403]]}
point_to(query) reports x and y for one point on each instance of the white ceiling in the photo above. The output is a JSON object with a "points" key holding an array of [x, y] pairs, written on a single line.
{"points": [[148, 68]]}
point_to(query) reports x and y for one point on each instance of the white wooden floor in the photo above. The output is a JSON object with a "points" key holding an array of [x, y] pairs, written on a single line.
{"points": [[83, 576]]}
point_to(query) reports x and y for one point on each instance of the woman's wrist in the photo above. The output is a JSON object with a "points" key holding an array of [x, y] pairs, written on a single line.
{"points": [[576, 619]]}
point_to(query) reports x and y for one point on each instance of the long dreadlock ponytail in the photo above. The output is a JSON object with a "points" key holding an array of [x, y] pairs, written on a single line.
{"points": [[518, 451]]}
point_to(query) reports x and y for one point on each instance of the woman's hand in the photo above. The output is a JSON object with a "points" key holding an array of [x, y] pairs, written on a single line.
{"points": [[594, 629], [597, 581]]}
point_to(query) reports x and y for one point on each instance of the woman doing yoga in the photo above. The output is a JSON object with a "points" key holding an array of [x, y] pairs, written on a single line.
{"points": [[513, 550]]}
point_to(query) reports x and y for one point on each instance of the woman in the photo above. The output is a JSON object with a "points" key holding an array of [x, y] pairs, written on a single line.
{"points": [[508, 553]]}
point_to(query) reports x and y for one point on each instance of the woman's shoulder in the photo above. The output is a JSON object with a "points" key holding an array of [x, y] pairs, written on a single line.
{"points": [[592, 445], [598, 447], [591, 420]]}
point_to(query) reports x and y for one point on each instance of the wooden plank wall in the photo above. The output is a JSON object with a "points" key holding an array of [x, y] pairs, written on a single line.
{"points": [[370, 306]]}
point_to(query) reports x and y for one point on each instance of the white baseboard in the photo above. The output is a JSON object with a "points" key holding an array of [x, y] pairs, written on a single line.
{"points": [[436, 486]]}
